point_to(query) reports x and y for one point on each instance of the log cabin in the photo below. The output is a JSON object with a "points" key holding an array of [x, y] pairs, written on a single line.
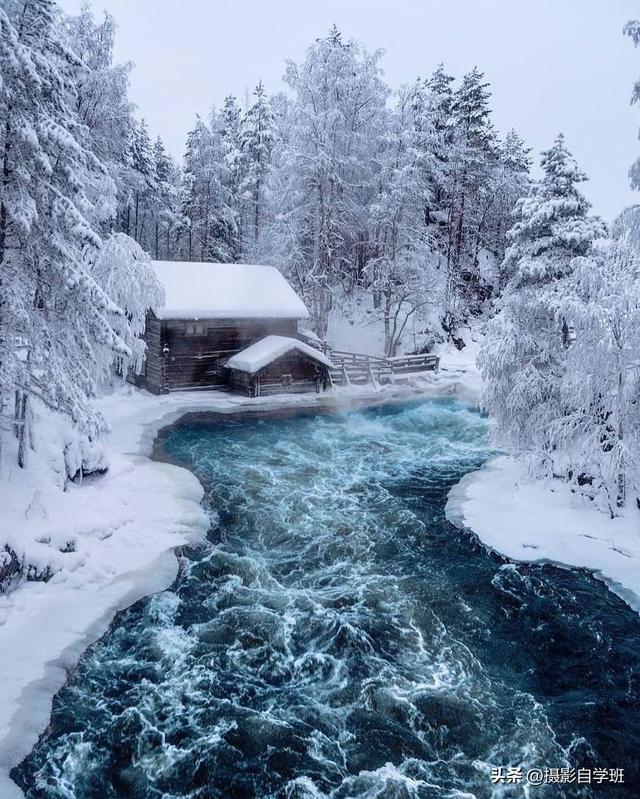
{"points": [[213, 312], [279, 365]]}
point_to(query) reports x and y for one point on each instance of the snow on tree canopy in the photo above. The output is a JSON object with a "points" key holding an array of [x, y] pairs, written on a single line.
{"points": [[226, 291], [269, 349]]}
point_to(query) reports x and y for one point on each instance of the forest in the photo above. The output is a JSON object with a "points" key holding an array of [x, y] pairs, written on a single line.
{"points": [[408, 198]]}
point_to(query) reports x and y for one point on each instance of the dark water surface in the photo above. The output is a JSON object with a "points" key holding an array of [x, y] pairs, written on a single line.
{"points": [[337, 637]]}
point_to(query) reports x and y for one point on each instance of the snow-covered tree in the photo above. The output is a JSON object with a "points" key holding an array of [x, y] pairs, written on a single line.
{"points": [[599, 434], [632, 29], [626, 227], [58, 335], [232, 169], [403, 268], [509, 182], [257, 144], [320, 198], [209, 221], [524, 358], [123, 270], [102, 89], [473, 154], [142, 182], [553, 224], [165, 201]]}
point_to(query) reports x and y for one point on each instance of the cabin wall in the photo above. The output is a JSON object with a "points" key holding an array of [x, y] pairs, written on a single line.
{"points": [[242, 383], [152, 375], [294, 373], [197, 361]]}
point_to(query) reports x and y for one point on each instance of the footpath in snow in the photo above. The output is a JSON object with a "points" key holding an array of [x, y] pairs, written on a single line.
{"points": [[124, 526]]}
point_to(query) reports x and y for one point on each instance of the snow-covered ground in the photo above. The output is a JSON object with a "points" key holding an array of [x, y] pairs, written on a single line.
{"points": [[528, 519], [543, 520], [124, 527]]}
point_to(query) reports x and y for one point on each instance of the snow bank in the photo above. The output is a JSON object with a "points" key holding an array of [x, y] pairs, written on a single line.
{"points": [[109, 541], [527, 519], [270, 348], [125, 525], [542, 520], [226, 291]]}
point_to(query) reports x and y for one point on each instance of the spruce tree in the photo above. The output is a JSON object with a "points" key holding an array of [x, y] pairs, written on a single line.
{"points": [[257, 144], [473, 154], [524, 357], [59, 329]]}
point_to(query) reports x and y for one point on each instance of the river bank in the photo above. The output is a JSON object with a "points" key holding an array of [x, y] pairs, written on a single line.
{"points": [[335, 636], [125, 526], [543, 521]]}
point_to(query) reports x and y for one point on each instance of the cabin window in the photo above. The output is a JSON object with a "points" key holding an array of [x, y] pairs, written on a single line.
{"points": [[287, 380], [194, 329]]}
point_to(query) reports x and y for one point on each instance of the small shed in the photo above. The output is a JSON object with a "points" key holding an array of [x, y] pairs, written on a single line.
{"points": [[279, 365], [213, 311]]}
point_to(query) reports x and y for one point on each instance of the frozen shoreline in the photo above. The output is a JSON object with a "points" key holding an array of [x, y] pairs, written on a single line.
{"points": [[128, 524], [543, 521]]}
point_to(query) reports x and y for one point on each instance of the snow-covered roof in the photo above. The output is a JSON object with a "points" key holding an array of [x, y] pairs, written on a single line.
{"points": [[309, 335], [268, 349], [226, 291]]}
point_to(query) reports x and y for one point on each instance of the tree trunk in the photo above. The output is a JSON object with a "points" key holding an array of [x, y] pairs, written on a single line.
{"points": [[256, 217], [622, 482], [387, 322], [135, 219], [22, 430], [16, 413]]}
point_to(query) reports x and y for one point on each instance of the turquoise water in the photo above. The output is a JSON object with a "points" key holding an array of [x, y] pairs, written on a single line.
{"points": [[337, 637]]}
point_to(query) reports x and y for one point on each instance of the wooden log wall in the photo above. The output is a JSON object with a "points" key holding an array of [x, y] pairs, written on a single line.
{"points": [[191, 354]]}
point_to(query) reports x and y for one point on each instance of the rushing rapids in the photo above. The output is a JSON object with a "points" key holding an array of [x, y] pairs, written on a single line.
{"points": [[337, 637]]}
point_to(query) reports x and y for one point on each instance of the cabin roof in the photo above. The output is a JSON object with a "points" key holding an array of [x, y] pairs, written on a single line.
{"points": [[226, 291], [269, 349]]}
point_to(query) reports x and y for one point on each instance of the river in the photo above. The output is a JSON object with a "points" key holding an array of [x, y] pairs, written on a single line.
{"points": [[337, 637]]}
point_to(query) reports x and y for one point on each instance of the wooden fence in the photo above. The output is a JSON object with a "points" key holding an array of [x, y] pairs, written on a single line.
{"points": [[358, 368]]}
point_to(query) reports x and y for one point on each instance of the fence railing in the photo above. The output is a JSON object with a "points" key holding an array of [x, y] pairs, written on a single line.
{"points": [[354, 367]]}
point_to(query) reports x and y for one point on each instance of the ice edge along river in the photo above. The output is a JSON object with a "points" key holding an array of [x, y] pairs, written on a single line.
{"points": [[130, 522]]}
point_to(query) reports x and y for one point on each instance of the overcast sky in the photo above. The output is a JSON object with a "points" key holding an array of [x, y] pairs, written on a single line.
{"points": [[553, 64]]}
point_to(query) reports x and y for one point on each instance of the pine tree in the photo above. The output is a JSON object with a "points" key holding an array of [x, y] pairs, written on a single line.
{"points": [[524, 357], [472, 158], [143, 180], [553, 224], [508, 183], [165, 200], [231, 174], [58, 334], [209, 221], [257, 140]]}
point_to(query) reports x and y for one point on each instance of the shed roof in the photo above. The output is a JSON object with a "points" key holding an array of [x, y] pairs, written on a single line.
{"points": [[269, 349], [226, 291]]}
